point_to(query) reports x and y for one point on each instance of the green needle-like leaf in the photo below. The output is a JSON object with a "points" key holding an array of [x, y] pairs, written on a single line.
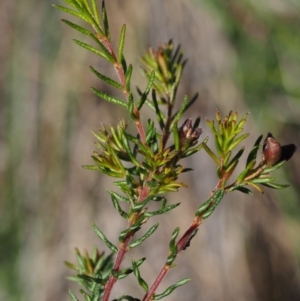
{"points": [[159, 114], [176, 137], [105, 21], [161, 211], [241, 189], [148, 88], [85, 295], [144, 237], [170, 289], [128, 77], [87, 6], [109, 98], [72, 296], [95, 12], [179, 114], [263, 180], [72, 12], [211, 154], [207, 208], [111, 246], [94, 50], [128, 150], [273, 167], [70, 2], [253, 153], [136, 272], [211, 125], [173, 247], [118, 207], [121, 43], [118, 196], [77, 27], [192, 101], [237, 156], [106, 79], [242, 122], [276, 186], [194, 150], [237, 141]]}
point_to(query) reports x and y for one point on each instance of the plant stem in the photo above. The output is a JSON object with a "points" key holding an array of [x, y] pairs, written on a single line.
{"points": [[180, 246], [123, 248], [156, 283], [112, 279]]}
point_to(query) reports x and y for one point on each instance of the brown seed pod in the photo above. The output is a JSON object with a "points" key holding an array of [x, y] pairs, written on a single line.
{"points": [[273, 152]]}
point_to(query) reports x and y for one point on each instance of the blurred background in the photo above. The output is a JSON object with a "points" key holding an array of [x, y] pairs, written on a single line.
{"points": [[243, 55]]}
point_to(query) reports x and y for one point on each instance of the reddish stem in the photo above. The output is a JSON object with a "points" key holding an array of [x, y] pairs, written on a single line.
{"points": [[180, 246], [156, 283], [187, 235], [112, 280]]}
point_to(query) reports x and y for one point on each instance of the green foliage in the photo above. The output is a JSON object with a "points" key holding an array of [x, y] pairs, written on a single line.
{"points": [[92, 273], [147, 163]]}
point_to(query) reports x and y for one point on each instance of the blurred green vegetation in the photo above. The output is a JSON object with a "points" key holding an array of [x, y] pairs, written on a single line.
{"points": [[265, 36], [43, 105]]}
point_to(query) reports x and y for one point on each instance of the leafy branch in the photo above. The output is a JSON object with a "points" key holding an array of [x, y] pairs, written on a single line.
{"points": [[147, 163]]}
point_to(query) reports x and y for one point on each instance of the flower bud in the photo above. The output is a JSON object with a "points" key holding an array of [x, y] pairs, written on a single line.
{"points": [[188, 132]]}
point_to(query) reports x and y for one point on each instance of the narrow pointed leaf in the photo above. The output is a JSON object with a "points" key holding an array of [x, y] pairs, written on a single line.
{"points": [[104, 50], [105, 21], [243, 175], [192, 101], [237, 156], [95, 12], [72, 296], [87, 6], [263, 180], [276, 186], [274, 167], [118, 196], [237, 141], [118, 207], [91, 167], [180, 112], [146, 93], [94, 50], [111, 246], [161, 211], [70, 2], [242, 189], [128, 150], [170, 289], [194, 150], [211, 125], [128, 77], [72, 12], [136, 272], [77, 27], [144, 237], [121, 43], [86, 296], [109, 98], [209, 206], [211, 154], [106, 79], [242, 121], [255, 186], [159, 114]]}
